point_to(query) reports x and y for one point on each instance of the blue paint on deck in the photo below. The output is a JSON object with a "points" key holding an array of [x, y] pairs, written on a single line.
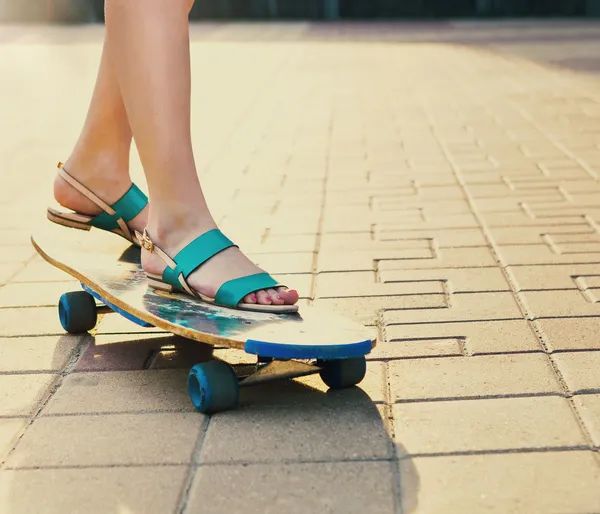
{"points": [[118, 310], [298, 351]]}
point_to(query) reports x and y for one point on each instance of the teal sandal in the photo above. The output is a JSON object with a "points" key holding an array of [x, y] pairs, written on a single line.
{"points": [[192, 257], [114, 218]]}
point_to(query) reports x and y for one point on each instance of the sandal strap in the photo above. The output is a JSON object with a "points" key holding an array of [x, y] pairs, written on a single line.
{"points": [[115, 216], [125, 208], [232, 291], [195, 254]]}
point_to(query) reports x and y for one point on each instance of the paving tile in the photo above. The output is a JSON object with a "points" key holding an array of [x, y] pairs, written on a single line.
{"points": [[407, 248], [465, 237], [35, 294], [17, 322], [457, 280], [10, 430], [38, 270], [21, 395], [570, 333], [543, 234], [319, 488], [472, 425], [472, 377], [11, 254], [121, 391], [108, 440], [566, 276], [588, 407], [97, 491], [46, 353], [520, 483], [462, 307], [579, 370], [388, 260], [343, 220], [365, 309], [542, 254], [340, 425], [364, 283], [131, 354], [8, 271], [564, 303], [438, 339]]}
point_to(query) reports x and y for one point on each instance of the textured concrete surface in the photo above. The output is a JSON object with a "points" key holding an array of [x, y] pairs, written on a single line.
{"points": [[438, 182]]}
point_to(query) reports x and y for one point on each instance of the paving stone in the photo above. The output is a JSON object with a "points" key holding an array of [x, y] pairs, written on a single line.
{"points": [[21, 395], [552, 304], [8, 271], [542, 254], [546, 234], [388, 260], [108, 440], [10, 430], [455, 238], [579, 370], [588, 407], [466, 338], [570, 333], [467, 280], [408, 248], [319, 488], [320, 426], [34, 294], [472, 425], [11, 254], [519, 483], [46, 353], [128, 489], [121, 391], [566, 276], [462, 307], [366, 309], [472, 377], [17, 322], [38, 270], [364, 283]]}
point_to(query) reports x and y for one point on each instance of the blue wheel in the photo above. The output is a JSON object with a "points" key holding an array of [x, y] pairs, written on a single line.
{"points": [[213, 387], [338, 374], [77, 312]]}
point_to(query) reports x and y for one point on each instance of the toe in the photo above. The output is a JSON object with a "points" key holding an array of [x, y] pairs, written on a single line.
{"points": [[250, 298], [263, 298], [290, 296], [275, 298]]}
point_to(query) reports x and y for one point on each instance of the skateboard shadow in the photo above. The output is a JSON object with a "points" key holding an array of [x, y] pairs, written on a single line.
{"points": [[297, 422]]}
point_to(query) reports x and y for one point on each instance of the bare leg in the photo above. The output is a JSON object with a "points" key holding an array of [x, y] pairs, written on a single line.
{"points": [[100, 159], [149, 49]]}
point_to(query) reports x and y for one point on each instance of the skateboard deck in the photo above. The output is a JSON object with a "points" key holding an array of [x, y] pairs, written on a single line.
{"points": [[109, 269]]}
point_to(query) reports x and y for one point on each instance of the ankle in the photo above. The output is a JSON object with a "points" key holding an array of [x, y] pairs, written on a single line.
{"points": [[100, 166], [178, 227]]}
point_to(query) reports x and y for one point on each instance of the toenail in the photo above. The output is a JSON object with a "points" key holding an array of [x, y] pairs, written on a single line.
{"points": [[253, 298]]}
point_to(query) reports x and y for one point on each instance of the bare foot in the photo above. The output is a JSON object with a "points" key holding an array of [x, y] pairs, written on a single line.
{"points": [[103, 181], [208, 278]]}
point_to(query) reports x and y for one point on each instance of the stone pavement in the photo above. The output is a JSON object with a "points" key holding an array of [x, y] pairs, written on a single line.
{"points": [[446, 192]]}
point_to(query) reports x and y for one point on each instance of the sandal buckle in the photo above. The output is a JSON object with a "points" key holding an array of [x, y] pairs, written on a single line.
{"points": [[146, 242]]}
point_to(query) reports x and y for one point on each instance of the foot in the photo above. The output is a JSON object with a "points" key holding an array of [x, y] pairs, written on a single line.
{"points": [[208, 278], [107, 180]]}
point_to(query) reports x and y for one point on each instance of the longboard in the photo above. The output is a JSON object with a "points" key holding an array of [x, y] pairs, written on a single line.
{"points": [[108, 267]]}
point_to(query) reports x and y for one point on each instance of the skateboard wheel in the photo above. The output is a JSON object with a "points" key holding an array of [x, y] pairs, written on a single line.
{"points": [[77, 312], [341, 373], [213, 387]]}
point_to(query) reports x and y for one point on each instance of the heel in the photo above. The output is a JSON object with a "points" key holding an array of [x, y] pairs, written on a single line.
{"points": [[155, 283], [66, 222]]}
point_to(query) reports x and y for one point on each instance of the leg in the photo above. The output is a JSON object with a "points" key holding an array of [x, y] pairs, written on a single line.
{"points": [[149, 49], [100, 159]]}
